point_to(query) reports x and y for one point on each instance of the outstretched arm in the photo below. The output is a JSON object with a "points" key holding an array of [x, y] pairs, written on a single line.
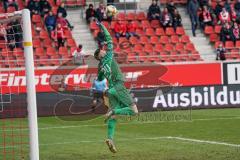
{"points": [[108, 38]]}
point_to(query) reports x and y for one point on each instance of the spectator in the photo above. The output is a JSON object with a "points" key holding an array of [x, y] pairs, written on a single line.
{"points": [[154, 11], [224, 16], [33, 6], [233, 14], [226, 33], [8, 3], [10, 37], [45, 7], [227, 5], [101, 13], [203, 3], [64, 22], [166, 18], [171, 7], [193, 12], [90, 13], [221, 52], [3, 32], [120, 29], [131, 29], [110, 2], [59, 36], [78, 55], [177, 20], [61, 9], [235, 32], [17, 30], [50, 22], [218, 8], [237, 7], [206, 17]]}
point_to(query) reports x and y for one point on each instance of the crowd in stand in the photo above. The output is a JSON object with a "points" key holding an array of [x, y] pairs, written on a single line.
{"points": [[169, 17], [227, 15]]}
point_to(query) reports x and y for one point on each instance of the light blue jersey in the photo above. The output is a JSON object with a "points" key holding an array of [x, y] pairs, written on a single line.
{"points": [[99, 86]]}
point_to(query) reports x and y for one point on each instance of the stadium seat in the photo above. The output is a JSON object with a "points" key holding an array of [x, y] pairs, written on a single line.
{"points": [[138, 48], [180, 31], [130, 16], [17, 52], [47, 43], [67, 34], [145, 24], [71, 42], [160, 32], [214, 37], [63, 51], [208, 30], [158, 48], [121, 16], [237, 44], [180, 47], [144, 40], [132, 58], [174, 39], [155, 23], [134, 40], [39, 52], [217, 43], [142, 57], [217, 28], [36, 43], [185, 39], [154, 40], [189, 47], [229, 45], [93, 26], [168, 48], [36, 18], [141, 16], [164, 39], [44, 35], [170, 31], [148, 48], [51, 51], [140, 32]]}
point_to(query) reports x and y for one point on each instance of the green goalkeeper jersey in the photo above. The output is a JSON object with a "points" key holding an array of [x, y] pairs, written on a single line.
{"points": [[108, 67]]}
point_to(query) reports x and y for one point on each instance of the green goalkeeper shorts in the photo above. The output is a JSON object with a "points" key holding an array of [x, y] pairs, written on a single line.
{"points": [[119, 96]]}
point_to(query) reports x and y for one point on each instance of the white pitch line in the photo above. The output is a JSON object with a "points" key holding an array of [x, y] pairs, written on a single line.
{"points": [[144, 138], [125, 123]]}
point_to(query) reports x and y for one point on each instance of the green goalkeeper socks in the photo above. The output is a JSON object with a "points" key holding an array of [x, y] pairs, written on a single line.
{"points": [[111, 127], [124, 111]]}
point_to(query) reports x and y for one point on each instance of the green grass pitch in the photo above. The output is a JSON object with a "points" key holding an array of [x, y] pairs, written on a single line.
{"points": [[212, 134]]}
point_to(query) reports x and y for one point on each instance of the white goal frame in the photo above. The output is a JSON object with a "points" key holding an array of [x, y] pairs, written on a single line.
{"points": [[30, 78]]}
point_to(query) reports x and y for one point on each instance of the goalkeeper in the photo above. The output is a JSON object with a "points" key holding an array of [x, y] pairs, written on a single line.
{"points": [[120, 100]]}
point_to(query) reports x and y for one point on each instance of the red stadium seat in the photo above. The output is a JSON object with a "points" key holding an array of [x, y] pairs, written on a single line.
{"points": [[214, 37], [36, 18], [169, 48], [190, 47], [121, 16], [164, 39], [154, 40], [155, 24], [44, 35], [130, 16], [39, 52], [237, 44], [170, 31], [47, 43], [208, 30], [217, 29], [144, 40], [67, 34], [63, 51], [51, 51], [180, 31], [180, 47], [131, 58], [138, 48], [174, 39], [93, 26], [185, 39], [36, 43], [229, 45], [140, 32], [148, 48], [145, 24], [158, 48], [160, 32], [134, 40], [141, 16]]}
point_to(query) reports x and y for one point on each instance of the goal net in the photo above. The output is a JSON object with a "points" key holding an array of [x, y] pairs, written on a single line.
{"points": [[18, 115]]}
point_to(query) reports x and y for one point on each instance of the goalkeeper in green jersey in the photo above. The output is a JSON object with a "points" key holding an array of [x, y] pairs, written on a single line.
{"points": [[120, 100]]}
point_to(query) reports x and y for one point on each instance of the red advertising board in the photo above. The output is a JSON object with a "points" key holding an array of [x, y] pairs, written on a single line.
{"points": [[49, 80]]}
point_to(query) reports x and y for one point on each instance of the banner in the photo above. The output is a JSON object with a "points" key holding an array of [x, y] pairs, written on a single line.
{"points": [[231, 73], [74, 79]]}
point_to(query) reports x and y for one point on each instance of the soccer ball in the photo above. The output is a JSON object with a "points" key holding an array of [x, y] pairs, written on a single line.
{"points": [[111, 11]]}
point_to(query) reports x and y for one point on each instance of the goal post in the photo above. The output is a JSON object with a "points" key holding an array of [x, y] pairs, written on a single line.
{"points": [[18, 107], [31, 89]]}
